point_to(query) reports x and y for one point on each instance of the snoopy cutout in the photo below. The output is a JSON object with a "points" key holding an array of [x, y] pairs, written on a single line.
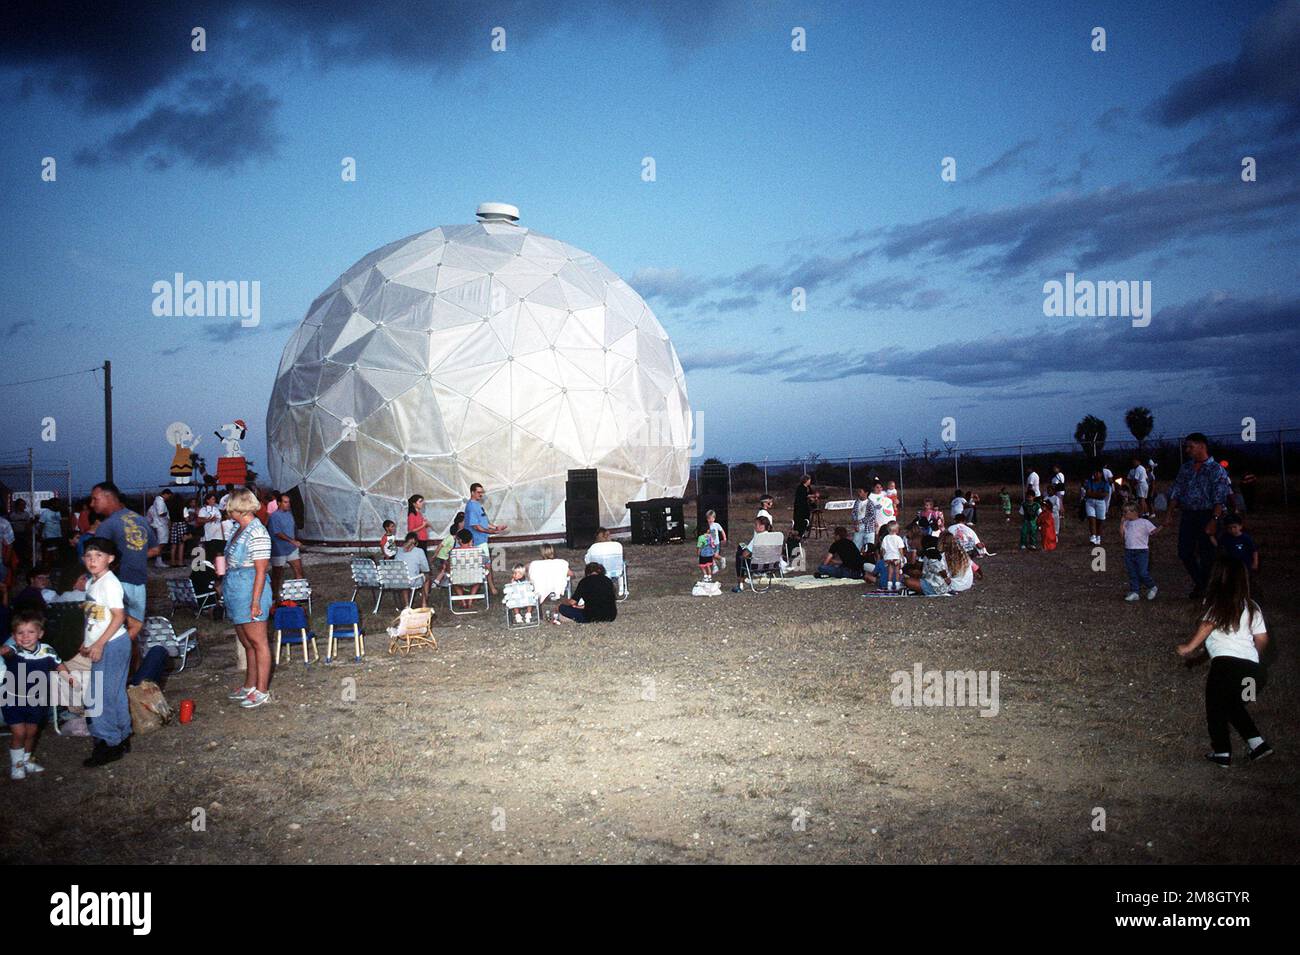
{"points": [[230, 435]]}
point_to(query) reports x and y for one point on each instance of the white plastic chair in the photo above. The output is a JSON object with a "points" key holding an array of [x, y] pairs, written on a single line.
{"points": [[159, 632], [616, 570]]}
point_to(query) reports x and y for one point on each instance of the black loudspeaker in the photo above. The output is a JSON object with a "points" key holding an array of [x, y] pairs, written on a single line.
{"points": [[582, 484], [656, 521], [713, 480], [581, 520]]}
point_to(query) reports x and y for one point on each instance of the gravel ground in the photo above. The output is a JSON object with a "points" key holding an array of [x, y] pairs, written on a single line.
{"points": [[739, 728]]}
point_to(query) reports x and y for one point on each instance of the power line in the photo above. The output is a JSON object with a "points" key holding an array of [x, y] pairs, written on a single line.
{"points": [[32, 381]]}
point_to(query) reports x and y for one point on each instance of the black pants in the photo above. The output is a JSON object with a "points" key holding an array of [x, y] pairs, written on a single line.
{"points": [[1195, 547], [1224, 705]]}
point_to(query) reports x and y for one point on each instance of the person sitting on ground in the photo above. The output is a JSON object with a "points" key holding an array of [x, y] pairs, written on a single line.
{"points": [[968, 538], [930, 519], [37, 594], [595, 593], [412, 555], [953, 572], [843, 559], [520, 596], [549, 574], [388, 541]]}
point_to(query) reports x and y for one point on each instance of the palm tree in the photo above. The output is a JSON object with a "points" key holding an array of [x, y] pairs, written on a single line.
{"points": [[1140, 422], [1091, 435]]}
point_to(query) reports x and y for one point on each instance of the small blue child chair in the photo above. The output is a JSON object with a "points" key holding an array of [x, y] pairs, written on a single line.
{"points": [[291, 628], [344, 621]]}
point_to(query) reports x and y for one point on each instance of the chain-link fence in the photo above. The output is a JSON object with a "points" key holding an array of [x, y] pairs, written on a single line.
{"points": [[1271, 457]]}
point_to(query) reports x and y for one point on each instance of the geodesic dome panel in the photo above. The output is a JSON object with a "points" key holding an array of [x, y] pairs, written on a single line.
{"points": [[482, 352]]}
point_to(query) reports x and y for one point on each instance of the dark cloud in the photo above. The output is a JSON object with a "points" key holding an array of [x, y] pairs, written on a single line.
{"points": [[1208, 342], [1113, 120], [18, 326], [1265, 74], [213, 126], [888, 293], [1017, 157], [1217, 154], [123, 56], [1104, 226]]}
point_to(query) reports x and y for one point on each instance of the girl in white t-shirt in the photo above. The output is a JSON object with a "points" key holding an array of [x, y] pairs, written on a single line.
{"points": [[1232, 630]]}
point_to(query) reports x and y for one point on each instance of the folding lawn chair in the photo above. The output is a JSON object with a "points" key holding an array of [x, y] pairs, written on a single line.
{"points": [[291, 628], [467, 570], [365, 576], [412, 628], [197, 593], [530, 613], [298, 590], [396, 576], [159, 632], [343, 618], [764, 560]]}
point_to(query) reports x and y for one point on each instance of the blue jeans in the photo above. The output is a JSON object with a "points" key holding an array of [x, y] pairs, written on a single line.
{"points": [[577, 614], [839, 570], [108, 675], [1138, 565], [1196, 548]]}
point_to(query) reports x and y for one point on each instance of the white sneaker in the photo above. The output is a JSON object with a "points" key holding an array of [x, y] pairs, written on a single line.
{"points": [[241, 693], [32, 766], [255, 699], [519, 618], [18, 772], [1132, 597], [1151, 594]]}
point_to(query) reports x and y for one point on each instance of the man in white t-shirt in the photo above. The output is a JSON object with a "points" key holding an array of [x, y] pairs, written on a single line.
{"points": [[1109, 475], [1057, 486], [1032, 482], [159, 518], [1140, 484]]}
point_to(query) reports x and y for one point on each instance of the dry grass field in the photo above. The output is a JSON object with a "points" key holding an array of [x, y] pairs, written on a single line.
{"points": [[738, 728]]}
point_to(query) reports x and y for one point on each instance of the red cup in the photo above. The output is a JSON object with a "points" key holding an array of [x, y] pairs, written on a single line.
{"points": [[187, 711]]}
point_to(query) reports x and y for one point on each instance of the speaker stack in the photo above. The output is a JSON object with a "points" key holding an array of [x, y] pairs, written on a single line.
{"points": [[656, 521], [713, 495], [581, 508]]}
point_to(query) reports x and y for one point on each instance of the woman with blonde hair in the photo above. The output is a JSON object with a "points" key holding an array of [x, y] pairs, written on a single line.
{"points": [[957, 564], [246, 593]]}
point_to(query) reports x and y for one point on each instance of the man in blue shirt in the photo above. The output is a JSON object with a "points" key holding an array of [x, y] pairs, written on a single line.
{"points": [[476, 522], [130, 533], [284, 543], [1200, 491]]}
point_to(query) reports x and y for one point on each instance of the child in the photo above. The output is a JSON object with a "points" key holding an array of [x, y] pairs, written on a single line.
{"points": [[1237, 543], [520, 596], [1004, 500], [1137, 531], [972, 509], [957, 506], [464, 541], [1232, 629], [1047, 524], [707, 554], [1029, 512], [891, 552], [108, 646], [25, 654], [718, 537], [891, 492], [387, 545]]}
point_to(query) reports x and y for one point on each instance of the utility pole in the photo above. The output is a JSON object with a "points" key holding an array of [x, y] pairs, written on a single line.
{"points": [[108, 421]]}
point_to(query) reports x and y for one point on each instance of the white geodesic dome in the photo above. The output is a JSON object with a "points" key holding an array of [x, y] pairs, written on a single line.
{"points": [[483, 352]]}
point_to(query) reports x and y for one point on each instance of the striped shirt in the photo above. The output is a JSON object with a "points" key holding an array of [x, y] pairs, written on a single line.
{"points": [[255, 543]]}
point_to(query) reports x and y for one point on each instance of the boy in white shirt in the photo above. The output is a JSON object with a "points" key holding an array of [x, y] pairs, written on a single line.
{"points": [[108, 647], [891, 552]]}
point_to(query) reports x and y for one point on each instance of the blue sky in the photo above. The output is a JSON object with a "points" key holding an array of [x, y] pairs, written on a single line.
{"points": [[774, 169]]}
